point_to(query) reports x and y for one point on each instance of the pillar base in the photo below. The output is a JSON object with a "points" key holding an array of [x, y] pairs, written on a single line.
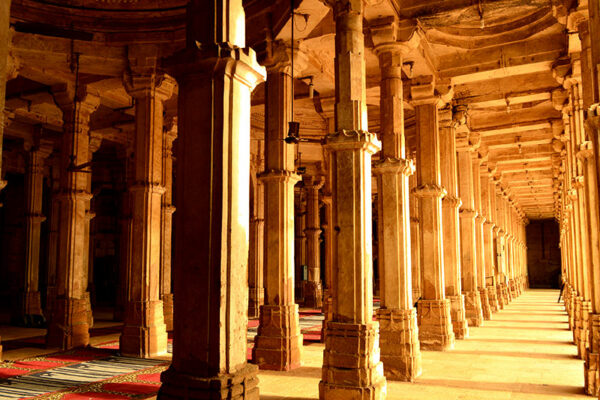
{"points": [[144, 334], [577, 321], [509, 293], [457, 313], [32, 315], [351, 366], [493, 298], [313, 294], [399, 344], [572, 298], [500, 297], [591, 367], [327, 313], [69, 326], [242, 385], [167, 300], [584, 339], [255, 300], [486, 309], [473, 310], [505, 294], [278, 344], [512, 286], [435, 325]]}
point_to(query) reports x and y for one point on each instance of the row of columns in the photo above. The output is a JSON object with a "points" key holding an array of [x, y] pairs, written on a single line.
{"points": [[577, 184]]}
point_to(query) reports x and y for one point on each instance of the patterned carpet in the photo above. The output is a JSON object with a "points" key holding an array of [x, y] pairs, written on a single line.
{"points": [[100, 372], [80, 374]]}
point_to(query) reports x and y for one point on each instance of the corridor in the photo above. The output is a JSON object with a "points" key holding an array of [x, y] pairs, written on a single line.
{"points": [[525, 352]]}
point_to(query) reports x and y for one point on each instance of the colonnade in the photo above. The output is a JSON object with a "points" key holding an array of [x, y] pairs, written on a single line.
{"points": [[576, 185]]}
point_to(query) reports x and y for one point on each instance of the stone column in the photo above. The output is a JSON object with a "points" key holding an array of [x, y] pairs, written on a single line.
{"points": [[299, 242], [328, 233], [53, 225], [450, 208], [488, 191], [468, 239], [210, 272], [31, 310], [399, 336], [4, 45], [415, 238], [313, 290], [166, 223], [435, 324], [587, 155], [479, 221], [144, 334], [278, 345], [351, 365], [69, 324], [125, 225], [257, 246]]}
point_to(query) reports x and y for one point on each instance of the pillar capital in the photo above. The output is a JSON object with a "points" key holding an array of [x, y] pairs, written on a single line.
{"points": [[394, 165], [393, 36], [422, 91], [353, 140]]}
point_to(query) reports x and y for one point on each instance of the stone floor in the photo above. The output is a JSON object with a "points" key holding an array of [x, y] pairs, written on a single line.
{"points": [[524, 353]]}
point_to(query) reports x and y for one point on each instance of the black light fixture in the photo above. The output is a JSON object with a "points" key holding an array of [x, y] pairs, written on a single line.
{"points": [[293, 136]]}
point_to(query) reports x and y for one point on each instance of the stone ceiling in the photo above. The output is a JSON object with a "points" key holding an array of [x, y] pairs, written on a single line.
{"points": [[497, 56]]}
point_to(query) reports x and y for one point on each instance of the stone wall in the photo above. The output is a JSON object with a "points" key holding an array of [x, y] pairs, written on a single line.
{"points": [[543, 254]]}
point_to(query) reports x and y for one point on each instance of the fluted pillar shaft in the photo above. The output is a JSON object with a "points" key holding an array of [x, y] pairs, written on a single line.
{"points": [[278, 344], [167, 210], [210, 272], [399, 337], [34, 180], [351, 334], [479, 235], [450, 210], [313, 289], [488, 196], [415, 239], [69, 325], [468, 238], [435, 324], [144, 334], [257, 250]]}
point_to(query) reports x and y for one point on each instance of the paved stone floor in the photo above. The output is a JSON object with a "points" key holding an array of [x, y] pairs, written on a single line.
{"points": [[525, 352]]}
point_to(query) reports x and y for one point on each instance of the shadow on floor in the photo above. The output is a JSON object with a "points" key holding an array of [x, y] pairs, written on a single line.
{"points": [[516, 387], [518, 354], [523, 341], [542, 328], [304, 372]]}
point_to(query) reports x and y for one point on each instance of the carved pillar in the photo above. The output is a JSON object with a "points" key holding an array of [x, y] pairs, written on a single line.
{"points": [[31, 309], [299, 242], [479, 221], [278, 344], [95, 142], [4, 43], [450, 207], [210, 272], [144, 334], [488, 195], [435, 324], [328, 234], [125, 225], [257, 244], [399, 335], [415, 238], [166, 224], [4, 75], [53, 225], [468, 240], [69, 325], [351, 365], [313, 290]]}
